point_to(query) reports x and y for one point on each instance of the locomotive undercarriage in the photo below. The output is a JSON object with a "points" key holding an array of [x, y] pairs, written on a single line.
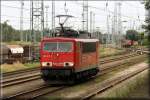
{"points": [[66, 76]]}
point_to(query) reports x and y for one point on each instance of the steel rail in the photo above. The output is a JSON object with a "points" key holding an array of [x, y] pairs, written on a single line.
{"points": [[22, 79], [40, 88], [111, 83]]}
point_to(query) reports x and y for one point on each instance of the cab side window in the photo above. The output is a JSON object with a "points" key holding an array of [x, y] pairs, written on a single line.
{"points": [[88, 47]]}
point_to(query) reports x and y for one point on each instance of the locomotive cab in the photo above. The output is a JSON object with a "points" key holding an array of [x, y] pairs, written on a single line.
{"points": [[57, 58], [68, 58]]}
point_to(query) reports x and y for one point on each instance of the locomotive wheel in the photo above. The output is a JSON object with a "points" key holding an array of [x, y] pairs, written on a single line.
{"points": [[86, 74], [50, 81]]}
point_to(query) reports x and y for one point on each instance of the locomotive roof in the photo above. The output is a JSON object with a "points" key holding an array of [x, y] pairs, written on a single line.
{"points": [[71, 39]]}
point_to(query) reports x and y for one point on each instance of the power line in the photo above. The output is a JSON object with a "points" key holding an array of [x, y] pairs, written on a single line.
{"points": [[132, 5], [26, 9], [16, 7], [27, 21], [108, 11], [19, 17], [14, 16]]}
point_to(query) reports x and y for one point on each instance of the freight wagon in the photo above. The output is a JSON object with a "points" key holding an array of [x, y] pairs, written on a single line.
{"points": [[11, 53]]}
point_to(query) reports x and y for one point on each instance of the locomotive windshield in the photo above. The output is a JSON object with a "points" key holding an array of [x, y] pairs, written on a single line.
{"points": [[58, 46]]}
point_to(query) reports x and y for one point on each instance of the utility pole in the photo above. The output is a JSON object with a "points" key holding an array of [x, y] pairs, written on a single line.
{"points": [[37, 19], [53, 17], [42, 19], [37, 22], [133, 25], [46, 22], [66, 10], [91, 21], [85, 16], [107, 25], [46, 7], [114, 25], [21, 21], [119, 24], [112, 29]]}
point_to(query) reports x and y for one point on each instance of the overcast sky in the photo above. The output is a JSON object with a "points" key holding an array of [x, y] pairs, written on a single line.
{"points": [[130, 10]]}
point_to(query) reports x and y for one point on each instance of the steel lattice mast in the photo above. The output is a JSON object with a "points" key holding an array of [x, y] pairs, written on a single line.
{"points": [[107, 25], [85, 16], [91, 23], [36, 22], [37, 19], [53, 16], [119, 24], [114, 25], [46, 18], [21, 20]]}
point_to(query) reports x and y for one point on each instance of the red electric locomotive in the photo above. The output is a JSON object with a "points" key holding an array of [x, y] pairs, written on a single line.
{"points": [[68, 58]]}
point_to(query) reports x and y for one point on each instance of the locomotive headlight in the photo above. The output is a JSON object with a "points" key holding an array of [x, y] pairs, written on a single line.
{"points": [[47, 64], [68, 64], [71, 63], [44, 63]]}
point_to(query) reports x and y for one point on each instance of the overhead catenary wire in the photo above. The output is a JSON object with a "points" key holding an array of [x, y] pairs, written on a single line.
{"points": [[14, 16], [90, 7], [80, 4], [112, 12], [26, 9]]}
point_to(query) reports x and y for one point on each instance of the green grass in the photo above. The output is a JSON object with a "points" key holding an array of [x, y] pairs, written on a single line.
{"points": [[125, 89], [83, 86], [109, 51], [32, 65], [18, 66]]}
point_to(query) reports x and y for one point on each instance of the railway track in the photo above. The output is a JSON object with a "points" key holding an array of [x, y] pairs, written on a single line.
{"points": [[43, 90], [103, 61], [19, 80], [20, 72], [34, 93], [120, 53], [35, 73], [99, 88], [32, 70], [111, 83]]}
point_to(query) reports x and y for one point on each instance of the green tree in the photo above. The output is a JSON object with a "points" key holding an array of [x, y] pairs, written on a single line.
{"points": [[9, 33], [132, 35], [147, 20]]}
